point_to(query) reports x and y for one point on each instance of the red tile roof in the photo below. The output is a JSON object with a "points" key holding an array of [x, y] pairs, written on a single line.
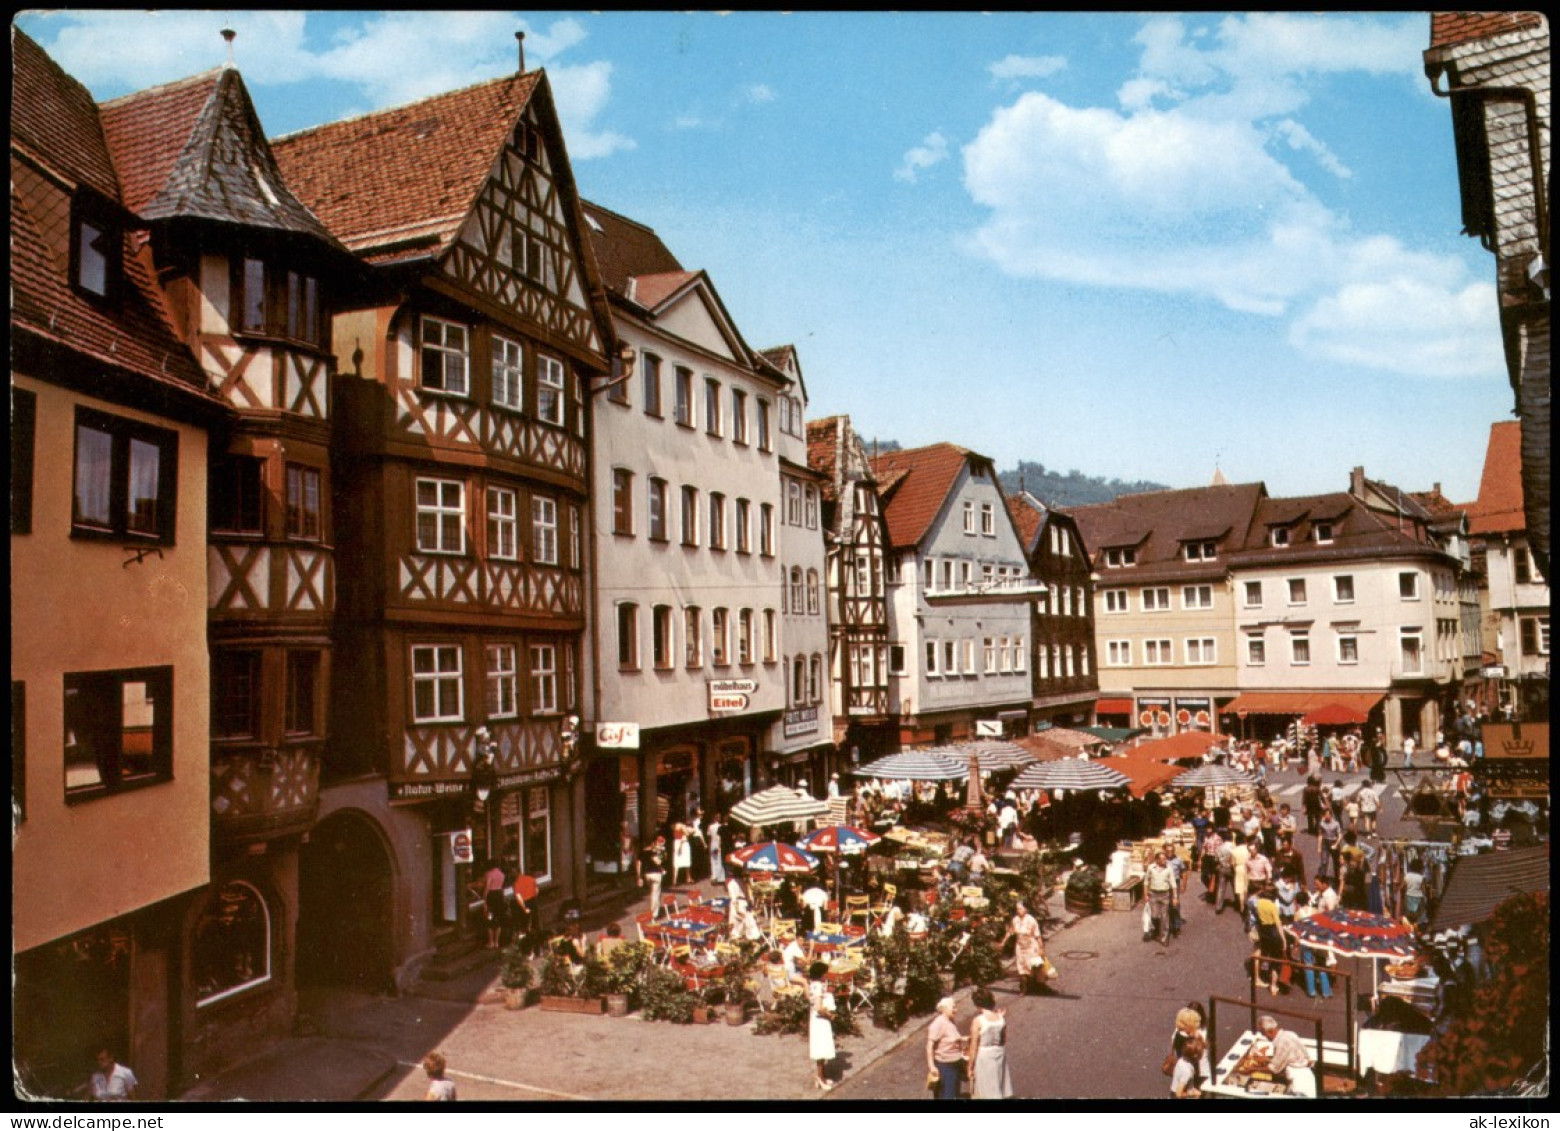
{"points": [[55, 121], [650, 291], [1499, 507], [915, 483], [148, 130], [407, 175], [1028, 513], [823, 448], [1459, 27], [1157, 523]]}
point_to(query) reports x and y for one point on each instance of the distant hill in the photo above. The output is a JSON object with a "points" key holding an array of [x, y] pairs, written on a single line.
{"points": [[1071, 490], [1052, 488]]}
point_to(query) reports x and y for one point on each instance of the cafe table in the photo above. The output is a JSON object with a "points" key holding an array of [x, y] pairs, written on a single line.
{"points": [[835, 943], [1229, 1082]]}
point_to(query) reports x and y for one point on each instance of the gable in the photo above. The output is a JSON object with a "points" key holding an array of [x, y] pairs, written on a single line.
{"points": [[693, 317], [517, 246]]}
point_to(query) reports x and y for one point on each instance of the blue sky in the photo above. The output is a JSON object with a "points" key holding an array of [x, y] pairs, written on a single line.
{"points": [[1136, 246]]}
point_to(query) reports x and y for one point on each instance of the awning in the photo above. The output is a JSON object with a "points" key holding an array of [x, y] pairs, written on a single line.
{"points": [[1146, 772], [1299, 702], [1113, 707], [1060, 742], [1479, 884], [1113, 735]]}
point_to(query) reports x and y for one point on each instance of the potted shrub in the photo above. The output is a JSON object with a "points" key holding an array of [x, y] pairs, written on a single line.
{"points": [[710, 1000], [626, 968], [664, 997], [738, 992], [563, 990], [888, 959], [516, 976], [1085, 890]]}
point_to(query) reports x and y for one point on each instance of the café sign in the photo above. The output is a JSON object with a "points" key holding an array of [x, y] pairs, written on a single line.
{"points": [[617, 736], [731, 694]]}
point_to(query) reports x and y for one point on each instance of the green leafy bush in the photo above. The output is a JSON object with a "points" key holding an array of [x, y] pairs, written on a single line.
{"points": [[516, 972], [664, 997]]}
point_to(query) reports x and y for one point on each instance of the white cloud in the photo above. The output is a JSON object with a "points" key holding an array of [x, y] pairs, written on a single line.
{"points": [[581, 93], [1188, 189], [933, 150], [759, 92], [1027, 66]]}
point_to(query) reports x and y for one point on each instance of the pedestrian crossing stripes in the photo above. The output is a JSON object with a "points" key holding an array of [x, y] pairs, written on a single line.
{"points": [[1295, 789]]}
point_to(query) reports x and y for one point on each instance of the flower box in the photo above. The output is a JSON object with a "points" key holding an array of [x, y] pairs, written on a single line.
{"points": [[596, 1005]]}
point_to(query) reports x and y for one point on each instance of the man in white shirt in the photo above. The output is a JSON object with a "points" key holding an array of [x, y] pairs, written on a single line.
{"points": [[1408, 752], [795, 959], [112, 1083]]}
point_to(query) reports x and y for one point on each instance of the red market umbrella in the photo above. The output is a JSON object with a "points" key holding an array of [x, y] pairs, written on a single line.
{"points": [[838, 838], [1357, 934], [773, 857], [1334, 715]]}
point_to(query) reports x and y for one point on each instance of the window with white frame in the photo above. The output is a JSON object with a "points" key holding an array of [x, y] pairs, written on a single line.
{"points": [[813, 598], [1004, 656], [766, 530], [1408, 585], [739, 419], [574, 537], [1411, 649], [933, 653], [661, 637], [765, 442], [1200, 551], [815, 679], [793, 503], [622, 501], [628, 636], [690, 516], [1253, 594], [798, 593], [441, 516], [1299, 648], [1534, 633], [967, 660], [651, 383], [712, 406], [1116, 600], [744, 523], [966, 575], [988, 520], [810, 506], [502, 682], [544, 530], [1197, 596], [947, 575], [1083, 659], [1158, 652], [1018, 653], [445, 357], [1348, 648], [1156, 600], [989, 652], [1296, 590], [720, 637], [717, 521], [682, 396], [1120, 557], [1201, 650], [1118, 653], [1343, 588], [1042, 663], [930, 569], [771, 636], [503, 524], [969, 517], [1279, 536], [549, 390], [744, 636], [657, 531], [1256, 651], [436, 683], [693, 637], [950, 664], [1323, 533], [544, 679], [508, 373]]}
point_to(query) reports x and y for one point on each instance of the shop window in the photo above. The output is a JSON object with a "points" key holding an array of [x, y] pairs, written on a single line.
{"points": [[231, 951]]}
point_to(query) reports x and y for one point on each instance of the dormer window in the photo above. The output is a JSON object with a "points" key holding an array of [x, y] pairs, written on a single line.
{"points": [[1120, 556], [1204, 551], [1279, 536], [1323, 533], [94, 258]]}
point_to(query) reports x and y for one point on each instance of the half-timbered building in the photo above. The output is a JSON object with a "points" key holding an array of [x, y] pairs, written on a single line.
{"points": [[1062, 665], [110, 420], [958, 597], [688, 677], [460, 462], [860, 651]]}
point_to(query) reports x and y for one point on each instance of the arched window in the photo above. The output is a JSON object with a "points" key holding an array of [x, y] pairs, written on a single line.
{"points": [[232, 946], [796, 590], [812, 591]]}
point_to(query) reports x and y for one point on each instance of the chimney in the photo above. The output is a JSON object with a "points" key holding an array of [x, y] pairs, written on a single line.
{"points": [[1437, 487], [520, 44], [1357, 482], [230, 35]]}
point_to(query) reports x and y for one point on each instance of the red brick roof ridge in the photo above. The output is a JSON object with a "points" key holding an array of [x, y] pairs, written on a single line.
{"points": [[427, 99]]}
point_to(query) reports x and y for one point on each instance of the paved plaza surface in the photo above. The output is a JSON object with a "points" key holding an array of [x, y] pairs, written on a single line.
{"points": [[1101, 1034]]}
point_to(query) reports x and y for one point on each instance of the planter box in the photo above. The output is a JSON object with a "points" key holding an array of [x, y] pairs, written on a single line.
{"points": [[595, 1005]]}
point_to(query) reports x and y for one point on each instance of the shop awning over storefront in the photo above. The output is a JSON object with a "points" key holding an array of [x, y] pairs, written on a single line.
{"points": [[1479, 884], [1299, 702], [1113, 707]]}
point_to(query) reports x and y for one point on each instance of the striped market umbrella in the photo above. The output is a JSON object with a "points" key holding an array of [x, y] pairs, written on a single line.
{"points": [[779, 804], [992, 755], [1213, 774], [915, 765], [773, 857], [1071, 773], [1357, 934], [844, 839]]}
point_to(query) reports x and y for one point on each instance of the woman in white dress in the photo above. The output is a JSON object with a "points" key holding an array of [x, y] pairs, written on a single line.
{"points": [[682, 856], [820, 1023], [989, 1078]]}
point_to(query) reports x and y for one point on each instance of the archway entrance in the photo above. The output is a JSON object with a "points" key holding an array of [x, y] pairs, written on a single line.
{"points": [[344, 907]]}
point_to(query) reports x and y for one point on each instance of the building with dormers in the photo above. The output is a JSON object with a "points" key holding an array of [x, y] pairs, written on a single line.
{"points": [[959, 594], [861, 653], [113, 841], [1063, 664], [1493, 68], [1515, 605], [801, 744], [460, 459], [690, 656]]}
